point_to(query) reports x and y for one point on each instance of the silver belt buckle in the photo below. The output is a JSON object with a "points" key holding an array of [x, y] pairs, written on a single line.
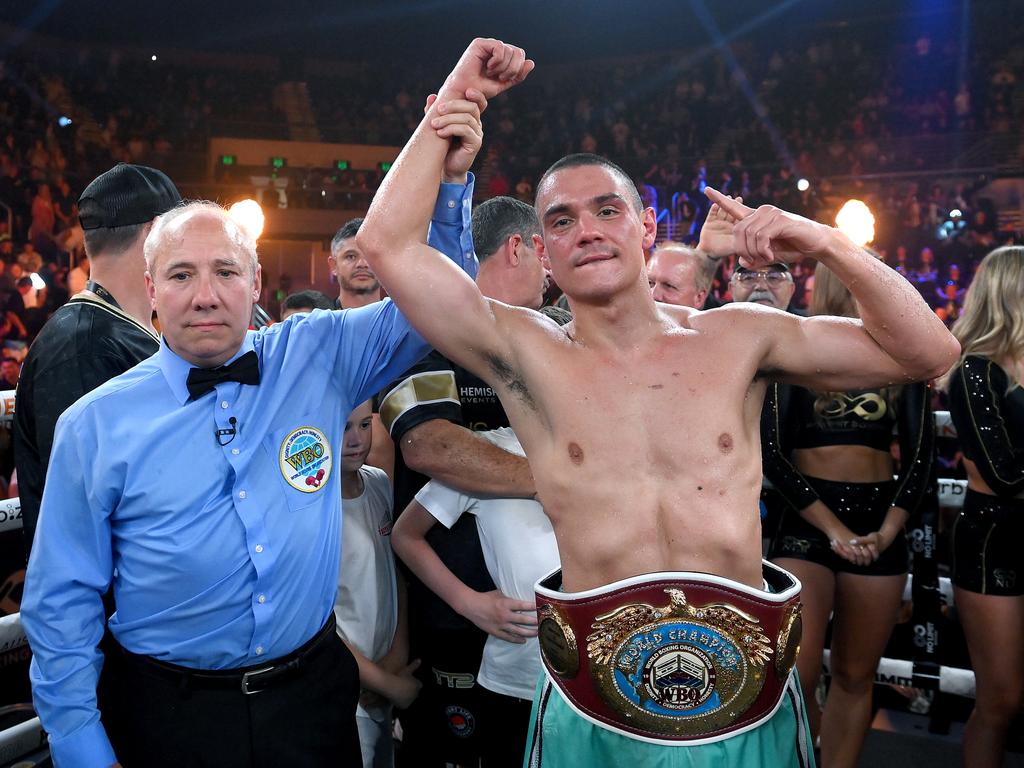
{"points": [[248, 675]]}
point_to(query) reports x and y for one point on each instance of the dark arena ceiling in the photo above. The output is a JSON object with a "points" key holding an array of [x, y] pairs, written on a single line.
{"points": [[551, 30]]}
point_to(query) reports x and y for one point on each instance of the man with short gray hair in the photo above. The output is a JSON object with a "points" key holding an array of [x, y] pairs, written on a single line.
{"points": [[680, 275]]}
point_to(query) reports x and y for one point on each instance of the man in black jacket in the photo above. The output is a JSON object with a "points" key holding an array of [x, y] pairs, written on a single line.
{"points": [[102, 331]]}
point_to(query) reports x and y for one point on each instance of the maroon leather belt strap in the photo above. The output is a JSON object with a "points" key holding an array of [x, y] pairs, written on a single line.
{"points": [[677, 658]]}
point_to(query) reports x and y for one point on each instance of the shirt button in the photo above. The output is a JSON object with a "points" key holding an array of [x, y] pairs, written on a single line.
{"points": [[259, 650], [451, 203], [241, 494], [234, 451], [262, 598], [259, 548], [224, 404]]}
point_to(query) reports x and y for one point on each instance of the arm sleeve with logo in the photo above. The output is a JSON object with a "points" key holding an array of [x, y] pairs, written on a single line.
{"points": [[425, 392]]}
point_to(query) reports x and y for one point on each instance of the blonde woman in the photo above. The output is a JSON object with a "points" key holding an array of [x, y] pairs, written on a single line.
{"points": [[987, 405], [828, 454]]}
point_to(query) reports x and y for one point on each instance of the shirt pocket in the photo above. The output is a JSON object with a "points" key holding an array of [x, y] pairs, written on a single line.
{"points": [[302, 458]]}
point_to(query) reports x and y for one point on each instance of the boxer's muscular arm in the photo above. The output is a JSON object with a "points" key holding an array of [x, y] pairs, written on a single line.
{"points": [[898, 338], [461, 459], [440, 301]]}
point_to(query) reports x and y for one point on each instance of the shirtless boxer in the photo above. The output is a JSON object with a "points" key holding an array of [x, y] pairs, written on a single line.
{"points": [[640, 421]]}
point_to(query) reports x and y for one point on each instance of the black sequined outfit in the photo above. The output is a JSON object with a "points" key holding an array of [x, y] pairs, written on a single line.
{"points": [[865, 417], [987, 534]]}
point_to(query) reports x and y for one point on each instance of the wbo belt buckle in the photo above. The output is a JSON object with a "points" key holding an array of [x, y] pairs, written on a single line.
{"points": [[677, 670], [249, 676]]}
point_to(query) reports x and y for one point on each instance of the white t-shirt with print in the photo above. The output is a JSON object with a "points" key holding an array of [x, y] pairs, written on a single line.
{"points": [[519, 548], [367, 602]]}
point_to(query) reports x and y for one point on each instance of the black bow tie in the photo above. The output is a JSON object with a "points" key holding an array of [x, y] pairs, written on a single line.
{"points": [[245, 370]]}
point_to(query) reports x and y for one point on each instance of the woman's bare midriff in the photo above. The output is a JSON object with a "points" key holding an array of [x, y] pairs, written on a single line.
{"points": [[845, 463], [977, 483]]}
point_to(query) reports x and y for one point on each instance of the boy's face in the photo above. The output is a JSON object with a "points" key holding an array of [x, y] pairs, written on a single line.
{"points": [[358, 438]]}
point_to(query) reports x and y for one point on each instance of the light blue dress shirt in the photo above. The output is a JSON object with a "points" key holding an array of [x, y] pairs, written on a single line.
{"points": [[220, 556]]}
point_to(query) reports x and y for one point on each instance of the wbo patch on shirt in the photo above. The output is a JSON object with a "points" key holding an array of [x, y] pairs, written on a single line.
{"points": [[306, 459]]}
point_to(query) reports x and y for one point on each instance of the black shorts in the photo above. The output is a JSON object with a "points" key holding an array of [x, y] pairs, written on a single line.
{"points": [[862, 508], [504, 724], [443, 724], [986, 536]]}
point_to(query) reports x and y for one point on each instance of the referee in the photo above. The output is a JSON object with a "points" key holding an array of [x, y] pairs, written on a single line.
{"points": [[202, 486]]}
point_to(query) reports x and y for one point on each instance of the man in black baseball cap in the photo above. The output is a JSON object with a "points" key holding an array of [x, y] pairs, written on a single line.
{"points": [[126, 195], [102, 331]]}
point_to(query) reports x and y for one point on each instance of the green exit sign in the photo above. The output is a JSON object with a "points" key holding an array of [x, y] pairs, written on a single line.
{"points": [[228, 159]]}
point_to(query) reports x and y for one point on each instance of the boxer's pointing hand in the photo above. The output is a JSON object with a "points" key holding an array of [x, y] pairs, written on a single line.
{"points": [[716, 234], [768, 234]]}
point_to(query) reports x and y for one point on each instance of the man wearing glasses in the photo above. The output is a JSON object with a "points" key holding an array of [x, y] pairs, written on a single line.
{"points": [[772, 286]]}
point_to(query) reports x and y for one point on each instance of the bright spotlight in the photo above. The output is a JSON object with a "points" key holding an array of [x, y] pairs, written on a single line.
{"points": [[803, 185], [856, 221], [37, 282], [956, 213], [249, 216], [63, 121], [153, 57]]}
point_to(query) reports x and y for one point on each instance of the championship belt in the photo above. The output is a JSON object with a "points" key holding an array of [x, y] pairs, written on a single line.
{"points": [[677, 658]]}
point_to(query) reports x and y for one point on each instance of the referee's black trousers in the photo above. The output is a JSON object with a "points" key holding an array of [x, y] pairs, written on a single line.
{"points": [[305, 718]]}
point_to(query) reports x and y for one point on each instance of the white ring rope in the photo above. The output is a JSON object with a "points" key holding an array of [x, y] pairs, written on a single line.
{"points": [[10, 515], [21, 739], [959, 682], [12, 635]]}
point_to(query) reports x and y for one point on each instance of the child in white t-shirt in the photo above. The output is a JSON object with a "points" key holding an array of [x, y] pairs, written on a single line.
{"points": [[370, 603], [519, 548]]}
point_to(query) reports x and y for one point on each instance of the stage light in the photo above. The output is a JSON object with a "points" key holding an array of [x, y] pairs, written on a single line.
{"points": [[153, 57], [384, 167], [228, 159], [341, 165], [956, 213], [856, 221], [278, 162], [63, 121], [249, 216], [803, 185]]}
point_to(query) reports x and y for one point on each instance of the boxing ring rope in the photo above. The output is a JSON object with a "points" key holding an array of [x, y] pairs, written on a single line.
{"points": [[959, 682], [21, 739]]}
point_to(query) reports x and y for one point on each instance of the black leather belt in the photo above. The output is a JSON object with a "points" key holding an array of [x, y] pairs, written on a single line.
{"points": [[249, 680]]}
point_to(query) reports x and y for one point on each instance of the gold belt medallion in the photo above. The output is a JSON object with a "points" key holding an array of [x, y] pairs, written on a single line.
{"points": [[678, 669]]}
